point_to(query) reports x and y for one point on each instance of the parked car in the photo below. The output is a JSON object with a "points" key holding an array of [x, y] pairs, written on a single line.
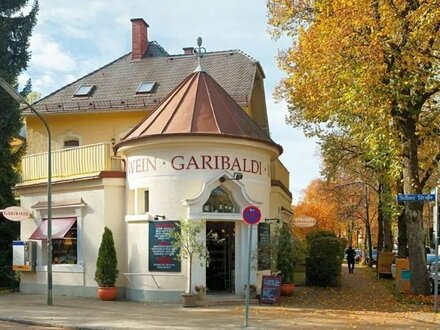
{"points": [[431, 270], [430, 258], [374, 256], [358, 256]]}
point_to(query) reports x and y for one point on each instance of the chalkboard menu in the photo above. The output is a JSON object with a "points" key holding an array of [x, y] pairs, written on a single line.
{"points": [[263, 246], [270, 289], [161, 252]]}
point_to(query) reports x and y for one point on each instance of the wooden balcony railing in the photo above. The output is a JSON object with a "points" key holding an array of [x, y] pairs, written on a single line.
{"points": [[73, 162]]}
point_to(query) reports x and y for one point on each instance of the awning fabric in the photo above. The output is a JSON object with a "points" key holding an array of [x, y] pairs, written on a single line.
{"points": [[60, 227]]}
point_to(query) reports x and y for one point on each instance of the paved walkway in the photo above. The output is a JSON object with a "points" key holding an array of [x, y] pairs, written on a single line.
{"points": [[360, 303]]}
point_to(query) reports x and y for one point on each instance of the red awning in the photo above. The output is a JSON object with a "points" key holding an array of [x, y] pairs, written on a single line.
{"points": [[60, 227]]}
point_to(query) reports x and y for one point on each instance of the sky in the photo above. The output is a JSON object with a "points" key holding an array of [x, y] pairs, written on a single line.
{"points": [[74, 38]]}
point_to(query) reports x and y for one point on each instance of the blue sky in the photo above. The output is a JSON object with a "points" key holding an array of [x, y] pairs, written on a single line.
{"points": [[73, 38]]}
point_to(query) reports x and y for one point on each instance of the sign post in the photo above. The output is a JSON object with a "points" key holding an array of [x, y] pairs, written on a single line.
{"points": [[252, 216]]}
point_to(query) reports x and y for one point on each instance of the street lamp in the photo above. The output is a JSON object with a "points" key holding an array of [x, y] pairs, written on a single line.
{"points": [[13, 93]]}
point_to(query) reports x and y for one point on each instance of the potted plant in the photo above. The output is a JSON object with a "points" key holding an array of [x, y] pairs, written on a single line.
{"points": [[286, 260], [106, 267], [190, 240]]}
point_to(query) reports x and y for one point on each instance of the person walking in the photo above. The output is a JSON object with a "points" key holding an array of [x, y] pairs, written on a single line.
{"points": [[351, 254]]}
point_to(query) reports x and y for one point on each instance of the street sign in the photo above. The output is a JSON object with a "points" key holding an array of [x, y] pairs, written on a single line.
{"points": [[251, 215], [416, 198]]}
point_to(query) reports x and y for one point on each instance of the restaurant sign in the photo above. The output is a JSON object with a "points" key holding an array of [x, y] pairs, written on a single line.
{"points": [[196, 162], [16, 213], [304, 222]]}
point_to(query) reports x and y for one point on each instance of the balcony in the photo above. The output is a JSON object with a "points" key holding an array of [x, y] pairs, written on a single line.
{"points": [[69, 163]]}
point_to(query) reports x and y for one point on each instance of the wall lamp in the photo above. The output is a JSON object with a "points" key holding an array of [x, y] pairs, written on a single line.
{"points": [[236, 176], [156, 217]]}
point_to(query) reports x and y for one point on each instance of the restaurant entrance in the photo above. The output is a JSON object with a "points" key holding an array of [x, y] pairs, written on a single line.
{"points": [[220, 274]]}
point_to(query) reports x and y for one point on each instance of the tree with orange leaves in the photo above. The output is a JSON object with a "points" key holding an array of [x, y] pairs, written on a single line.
{"points": [[319, 204]]}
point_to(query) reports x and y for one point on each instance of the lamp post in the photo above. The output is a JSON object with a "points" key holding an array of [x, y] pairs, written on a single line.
{"points": [[13, 93]]}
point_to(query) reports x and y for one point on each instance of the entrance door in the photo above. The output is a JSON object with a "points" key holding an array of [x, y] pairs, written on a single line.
{"points": [[221, 247]]}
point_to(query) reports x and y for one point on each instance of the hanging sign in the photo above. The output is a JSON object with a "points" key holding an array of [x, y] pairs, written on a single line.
{"points": [[304, 222], [16, 213]]}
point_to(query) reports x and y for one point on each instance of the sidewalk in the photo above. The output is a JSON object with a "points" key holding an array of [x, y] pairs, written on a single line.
{"points": [[359, 304]]}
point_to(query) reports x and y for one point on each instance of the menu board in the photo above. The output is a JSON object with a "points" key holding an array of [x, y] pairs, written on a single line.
{"points": [[270, 289], [263, 246], [162, 255]]}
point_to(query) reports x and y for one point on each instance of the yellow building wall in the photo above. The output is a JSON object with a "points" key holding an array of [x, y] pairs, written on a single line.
{"points": [[90, 128], [257, 109]]}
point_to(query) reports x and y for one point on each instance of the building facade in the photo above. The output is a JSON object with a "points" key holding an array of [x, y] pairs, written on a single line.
{"points": [[140, 144]]}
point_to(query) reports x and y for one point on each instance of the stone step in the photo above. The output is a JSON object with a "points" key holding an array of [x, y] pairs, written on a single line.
{"points": [[216, 301]]}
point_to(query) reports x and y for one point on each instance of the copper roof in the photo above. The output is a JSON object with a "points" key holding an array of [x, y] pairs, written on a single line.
{"points": [[198, 106]]}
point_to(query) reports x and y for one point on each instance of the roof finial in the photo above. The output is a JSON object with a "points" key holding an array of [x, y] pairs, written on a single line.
{"points": [[199, 52]]}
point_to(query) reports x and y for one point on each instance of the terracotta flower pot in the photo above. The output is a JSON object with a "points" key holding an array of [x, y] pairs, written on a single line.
{"points": [[287, 289], [107, 293], [189, 299]]}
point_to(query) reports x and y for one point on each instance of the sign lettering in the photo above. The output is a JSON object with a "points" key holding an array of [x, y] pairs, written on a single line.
{"points": [[197, 162]]}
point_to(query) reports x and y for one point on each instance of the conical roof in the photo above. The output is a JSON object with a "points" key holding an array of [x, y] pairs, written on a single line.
{"points": [[198, 106]]}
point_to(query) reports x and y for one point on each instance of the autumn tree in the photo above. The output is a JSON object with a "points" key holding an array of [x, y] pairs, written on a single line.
{"points": [[15, 31], [372, 61], [351, 167], [318, 203]]}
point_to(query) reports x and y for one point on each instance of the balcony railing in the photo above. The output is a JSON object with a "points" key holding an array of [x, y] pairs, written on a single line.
{"points": [[73, 162]]}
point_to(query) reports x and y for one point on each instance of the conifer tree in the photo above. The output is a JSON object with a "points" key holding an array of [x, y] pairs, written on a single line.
{"points": [[15, 31]]}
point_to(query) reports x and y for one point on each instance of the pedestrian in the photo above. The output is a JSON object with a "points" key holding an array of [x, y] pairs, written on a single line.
{"points": [[351, 254]]}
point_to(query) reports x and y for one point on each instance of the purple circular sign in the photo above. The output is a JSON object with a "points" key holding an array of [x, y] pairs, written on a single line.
{"points": [[251, 215]]}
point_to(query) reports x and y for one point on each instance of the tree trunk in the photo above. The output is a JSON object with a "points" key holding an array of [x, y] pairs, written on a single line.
{"points": [[189, 284], [380, 236], [368, 227], [402, 241], [387, 231], [413, 210], [370, 248]]}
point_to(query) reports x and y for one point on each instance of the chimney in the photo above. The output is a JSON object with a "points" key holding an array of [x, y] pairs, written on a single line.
{"points": [[188, 50], [139, 38]]}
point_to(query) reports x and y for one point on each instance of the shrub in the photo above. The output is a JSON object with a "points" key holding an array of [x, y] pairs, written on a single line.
{"points": [[317, 234], [285, 255], [106, 265], [323, 267]]}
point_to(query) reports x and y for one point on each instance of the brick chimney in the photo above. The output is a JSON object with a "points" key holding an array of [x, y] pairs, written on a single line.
{"points": [[188, 50], [139, 38]]}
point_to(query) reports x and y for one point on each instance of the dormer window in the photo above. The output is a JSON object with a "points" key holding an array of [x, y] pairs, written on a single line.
{"points": [[145, 87], [84, 90]]}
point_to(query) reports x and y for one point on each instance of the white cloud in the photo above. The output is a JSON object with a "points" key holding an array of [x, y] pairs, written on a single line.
{"points": [[49, 55]]}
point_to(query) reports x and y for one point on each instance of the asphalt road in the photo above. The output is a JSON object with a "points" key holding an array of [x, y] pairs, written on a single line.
{"points": [[11, 325]]}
